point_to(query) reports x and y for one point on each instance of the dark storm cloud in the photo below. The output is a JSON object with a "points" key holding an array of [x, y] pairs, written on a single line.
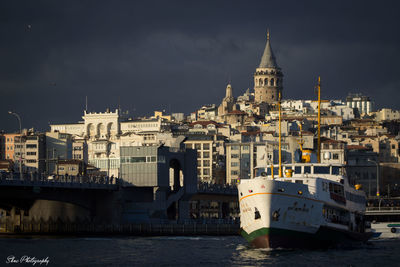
{"points": [[178, 55]]}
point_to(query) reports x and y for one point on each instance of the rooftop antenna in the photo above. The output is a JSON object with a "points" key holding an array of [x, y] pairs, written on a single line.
{"points": [[86, 104], [267, 34], [119, 103]]}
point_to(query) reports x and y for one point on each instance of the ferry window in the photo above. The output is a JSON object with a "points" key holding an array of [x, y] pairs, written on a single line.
{"points": [[335, 170], [307, 169], [321, 169], [259, 171], [297, 169], [298, 181], [324, 186]]}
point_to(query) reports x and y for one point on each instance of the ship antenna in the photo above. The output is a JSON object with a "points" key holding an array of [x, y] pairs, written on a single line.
{"points": [[319, 120], [280, 135]]}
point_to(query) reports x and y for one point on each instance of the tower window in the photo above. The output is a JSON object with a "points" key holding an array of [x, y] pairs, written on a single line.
{"points": [[266, 81], [260, 82], [272, 82]]}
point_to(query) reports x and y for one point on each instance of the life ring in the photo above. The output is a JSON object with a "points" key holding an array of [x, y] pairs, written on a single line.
{"points": [[393, 230]]}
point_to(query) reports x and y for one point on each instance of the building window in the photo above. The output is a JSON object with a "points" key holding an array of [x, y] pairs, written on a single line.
{"points": [[206, 155], [197, 146], [235, 147], [206, 171], [234, 172], [31, 153], [235, 156], [206, 146], [199, 163], [206, 163], [335, 156], [235, 164]]}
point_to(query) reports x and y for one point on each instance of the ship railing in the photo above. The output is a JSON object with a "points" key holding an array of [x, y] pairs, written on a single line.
{"points": [[383, 209]]}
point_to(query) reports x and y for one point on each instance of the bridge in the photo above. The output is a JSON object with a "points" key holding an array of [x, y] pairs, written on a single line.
{"points": [[37, 199]]}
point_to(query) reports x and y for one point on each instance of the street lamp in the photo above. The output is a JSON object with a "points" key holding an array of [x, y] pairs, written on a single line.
{"points": [[377, 175], [20, 143]]}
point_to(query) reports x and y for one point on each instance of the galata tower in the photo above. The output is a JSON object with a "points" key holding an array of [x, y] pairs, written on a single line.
{"points": [[268, 77]]}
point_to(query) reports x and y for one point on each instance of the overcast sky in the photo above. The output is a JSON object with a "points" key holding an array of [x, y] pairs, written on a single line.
{"points": [[179, 55]]}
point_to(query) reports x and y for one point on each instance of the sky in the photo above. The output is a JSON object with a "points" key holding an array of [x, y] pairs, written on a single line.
{"points": [[179, 55]]}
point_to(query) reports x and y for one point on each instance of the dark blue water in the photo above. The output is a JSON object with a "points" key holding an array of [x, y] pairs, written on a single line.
{"points": [[187, 251]]}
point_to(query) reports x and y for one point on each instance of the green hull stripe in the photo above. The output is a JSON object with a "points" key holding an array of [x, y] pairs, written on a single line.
{"points": [[259, 232], [393, 225], [323, 234]]}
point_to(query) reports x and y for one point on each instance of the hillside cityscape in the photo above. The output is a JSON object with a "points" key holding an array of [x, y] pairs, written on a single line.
{"points": [[231, 138]]}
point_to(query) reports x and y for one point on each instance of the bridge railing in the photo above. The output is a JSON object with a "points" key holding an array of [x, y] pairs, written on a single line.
{"points": [[217, 189], [14, 178]]}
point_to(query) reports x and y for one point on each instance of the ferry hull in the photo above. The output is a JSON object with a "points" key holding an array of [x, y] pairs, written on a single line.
{"points": [[283, 238]]}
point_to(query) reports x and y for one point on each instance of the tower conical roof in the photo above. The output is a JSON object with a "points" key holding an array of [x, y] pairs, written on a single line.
{"points": [[268, 58]]}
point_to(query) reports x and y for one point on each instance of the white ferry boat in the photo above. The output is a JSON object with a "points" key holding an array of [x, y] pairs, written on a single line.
{"points": [[313, 206]]}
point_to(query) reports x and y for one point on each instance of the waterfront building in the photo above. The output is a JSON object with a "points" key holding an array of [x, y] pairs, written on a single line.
{"points": [[386, 146], [332, 151], [2, 148], [360, 168], [58, 147], [70, 167], [243, 156], [387, 114], [99, 136], [361, 103], [34, 152], [268, 78], [228, 103], [206, 112], [80, 149], [9, 145], [210, 149]]}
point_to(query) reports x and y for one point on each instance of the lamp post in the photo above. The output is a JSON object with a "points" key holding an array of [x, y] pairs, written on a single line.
{"points": [[377, 175], [20, 143]]}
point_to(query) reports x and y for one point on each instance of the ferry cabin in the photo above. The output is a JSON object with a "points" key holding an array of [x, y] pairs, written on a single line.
{"points": [[343, 205]]}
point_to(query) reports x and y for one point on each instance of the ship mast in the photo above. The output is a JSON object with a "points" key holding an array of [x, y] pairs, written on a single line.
{"points": [[280, 135], [319, 120]]}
